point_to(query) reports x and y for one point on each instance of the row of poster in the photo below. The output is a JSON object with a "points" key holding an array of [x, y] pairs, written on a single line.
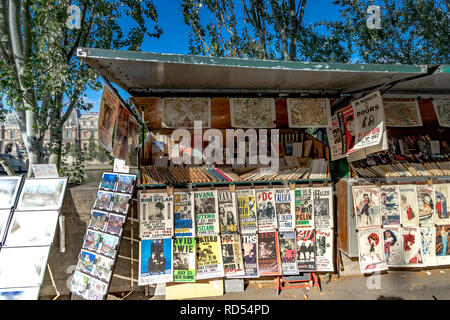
{"points": [[188, 259], [406, 205], [212, 212]]}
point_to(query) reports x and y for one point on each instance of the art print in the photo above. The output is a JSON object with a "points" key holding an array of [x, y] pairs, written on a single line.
{"points": [[206, 212], [412, 247], [323, 207], [309, 113], [409, 211], [183, 210], [246, 203], [183, 112], [97, 290], [442, 109], [98, 220], [429, 245], [125, 183], [42, 194], [4, 216], [9, 188], [252, 112], [109, 245], [442, 244], [441, 195], [209, 257], [104, 200], [366, 202], [115, 224], [184, 253], [109, 181], [288, 253], [371, 250], [425, 198], [103, 268], [86, 262], [304, 208], [265, 202], [324, 250], [155, 215], [120, 203], [233, 262], [284, 209], [393, 246], [229, 222], [80, 284], [402, 113], [92, 240], [306, 250], [390, 205]]}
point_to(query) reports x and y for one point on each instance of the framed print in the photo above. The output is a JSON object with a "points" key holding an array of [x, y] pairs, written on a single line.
{"points": [[104, 200], [109, 180], [125, 183], [9, 188], [42, 194]]}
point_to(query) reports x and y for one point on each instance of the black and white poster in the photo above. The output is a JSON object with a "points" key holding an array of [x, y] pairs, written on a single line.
{"points": [[156, 216]]}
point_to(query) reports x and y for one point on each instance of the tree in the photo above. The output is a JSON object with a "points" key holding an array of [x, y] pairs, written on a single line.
{"points": [[40, 74], [92, 148]]}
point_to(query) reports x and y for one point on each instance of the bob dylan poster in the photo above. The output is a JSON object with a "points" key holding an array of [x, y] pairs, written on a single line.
{"points": [[269, 254], [425, 198], [428, 234], [155, 261], [304, 215], [209, 257], [232, 255], [252, 112], [441, 194], [109, 106], [121, 136], [306, 250], [442, 245], [324, 250], [288, 253], [247, 211], [206, 212], [229, 222], [250, 252], [323, 207], [371, 250], [265, 202], [309, 113], [9, 186], [366, 201], [412, 247], [285, 212], [390, 205], [39, 194], [183, 213], [156, 219], [184, 259], [393, 246], [409, 212]]}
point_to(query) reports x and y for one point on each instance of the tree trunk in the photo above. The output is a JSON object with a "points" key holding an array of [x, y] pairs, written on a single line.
{"points": [[56, 137], [5, 164], [33, 142]]}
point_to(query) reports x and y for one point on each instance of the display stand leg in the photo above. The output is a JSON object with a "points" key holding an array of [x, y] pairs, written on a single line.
{"points": [[278, 285], [316, 281]]}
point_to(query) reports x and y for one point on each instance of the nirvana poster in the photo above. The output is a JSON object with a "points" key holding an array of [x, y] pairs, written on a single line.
{"points": [[265, 202], [183, 214], [284, 210], [306, 250], [393, 246], [269, 254], [209, 257], [206, 212], [390, 205], [288, 253], [233, 263], [324, 250], [409, 212], [371, 250], [184, 259], [323, 207], [155, 261], [412, 247], [428, 234], [441, 194], [304, 216], [366, 201], [250, 253], [155, 213], [425, 198], [227, 212], [247, 211], [442, 246]]}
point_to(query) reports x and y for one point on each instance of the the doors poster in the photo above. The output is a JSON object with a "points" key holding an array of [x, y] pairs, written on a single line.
{"points": [[442, 109], [429, 245], [250, 253], [324, 250], [229, 222], [155, 213], [184, 252], [109, 106], [288, 253], [206, 212], [183, 112], [425, 198], [284, 210], [442, 244], [390, 205], [252, 112], [120, 147], [371, 250], [304, 212], [306, 250], [233, 262], [366, 201], [409, 212], [209, 257], [441, 194], [265, 202], [247, 211], [323, 207], [155, 261], [412, 247], [393, 246], [309, 113], [402, 113], [268, 254], [183, 214]]}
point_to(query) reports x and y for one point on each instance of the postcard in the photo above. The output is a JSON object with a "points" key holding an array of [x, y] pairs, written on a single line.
{"points": [[109, 180]]}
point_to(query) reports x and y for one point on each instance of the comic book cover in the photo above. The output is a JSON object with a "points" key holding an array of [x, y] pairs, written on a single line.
{"points": [[409, 212], [324, 250], [97, 290], [86, 261], [229, 222], [425, 198], [412, 247], [304, 214], [247, 211], [184, 259], [371, 250], [250, 253], [104, 200], [442, 247], [441, 194], [206, 212], [366, 202], [233, 263], [109, 180], [393, 246], [98, 220], [80, 284], [306, 250], [265, 204], [428, 234], [323, 207], [183, 214], [288, 253], [109, 245], [284, 210], [103, 268], [155, 261], [390, 205], [209, 257], [115, 224], [269, 263], [120, 203], [155, 215]]}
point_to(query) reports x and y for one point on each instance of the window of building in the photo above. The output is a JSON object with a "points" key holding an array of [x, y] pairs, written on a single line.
{"points": [[92, 133], [85, 146], [92, 123], [68, 134], [84, 123], [12, 134]]}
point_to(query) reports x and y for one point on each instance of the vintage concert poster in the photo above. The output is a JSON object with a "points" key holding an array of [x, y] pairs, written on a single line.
{"points": [[184, 253], [265, 203], [246, 203], [155, 261], [304, 213], [183, 214], [206, 212], [366, 202], [233, 262], [268, 254], [288, 253], [155, 215], [323, 207], [324, 250], [229, 222], [306, 250], [284, 209], [209, 257]]}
